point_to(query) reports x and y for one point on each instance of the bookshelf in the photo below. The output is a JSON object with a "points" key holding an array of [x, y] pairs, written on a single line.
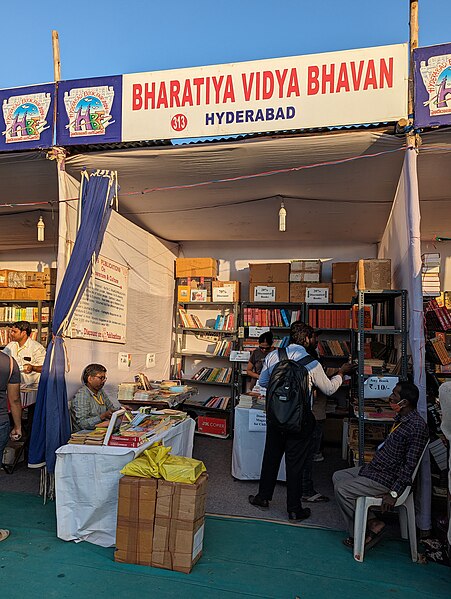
{"points": [[205, 335], [38, 312], [379, 343]]}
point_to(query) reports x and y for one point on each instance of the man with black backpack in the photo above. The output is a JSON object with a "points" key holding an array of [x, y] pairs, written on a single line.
{"points": [[289, 375]]}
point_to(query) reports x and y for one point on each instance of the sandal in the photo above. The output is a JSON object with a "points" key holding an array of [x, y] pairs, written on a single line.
{"points": [[4, 534], [316, 498], [374, 537], [349, 543]]}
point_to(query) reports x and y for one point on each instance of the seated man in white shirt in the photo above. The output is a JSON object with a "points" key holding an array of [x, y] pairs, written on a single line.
{"points": [[29, 355]]}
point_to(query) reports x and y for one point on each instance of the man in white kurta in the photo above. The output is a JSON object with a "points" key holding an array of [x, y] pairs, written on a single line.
{"points": [[30, 356]]}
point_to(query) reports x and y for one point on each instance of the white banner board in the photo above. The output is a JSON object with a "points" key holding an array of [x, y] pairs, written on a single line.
{"points": [[101, 314], [351, 87], [379, 386]]}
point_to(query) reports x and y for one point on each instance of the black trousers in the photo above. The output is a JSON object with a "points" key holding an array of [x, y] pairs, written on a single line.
{"points": [[296, 447]]}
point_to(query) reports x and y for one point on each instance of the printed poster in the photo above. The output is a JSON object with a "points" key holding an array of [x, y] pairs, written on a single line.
{"points": [[432, 86], [101, 314]]}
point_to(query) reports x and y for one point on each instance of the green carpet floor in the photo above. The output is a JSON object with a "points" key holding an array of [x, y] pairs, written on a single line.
{"points": [[242, 558]]}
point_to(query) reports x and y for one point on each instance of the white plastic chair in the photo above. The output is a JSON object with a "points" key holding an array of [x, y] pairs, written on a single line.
{"points": [[406, 518]]}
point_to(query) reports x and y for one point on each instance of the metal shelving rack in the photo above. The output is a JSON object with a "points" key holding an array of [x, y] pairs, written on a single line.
{"points": [[377, 297], [34, 324]]}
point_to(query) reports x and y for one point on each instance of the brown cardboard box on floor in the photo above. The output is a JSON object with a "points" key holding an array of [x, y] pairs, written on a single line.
{"points": [[298, 290], [269, 292], [135, 520], [177, 544], [343, 292], [275, 272], [374, 274], [196, 267], [344, 272]]}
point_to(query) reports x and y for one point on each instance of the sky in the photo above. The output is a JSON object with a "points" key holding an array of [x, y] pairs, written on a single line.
{"points": [[116, 36]]}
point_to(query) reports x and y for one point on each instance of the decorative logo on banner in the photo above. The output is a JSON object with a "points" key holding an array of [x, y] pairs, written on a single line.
{"points": [[89, 110], [436, 75], [433, 86], [27, 117]]}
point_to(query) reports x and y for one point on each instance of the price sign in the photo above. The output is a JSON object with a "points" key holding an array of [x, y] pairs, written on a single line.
{"points": [[239, 356], [316, 295], [379, 386], [263, 293], [257, 331]]}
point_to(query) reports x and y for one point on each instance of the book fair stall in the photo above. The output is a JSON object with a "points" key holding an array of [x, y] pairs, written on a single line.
{"points": [[209, 245]]}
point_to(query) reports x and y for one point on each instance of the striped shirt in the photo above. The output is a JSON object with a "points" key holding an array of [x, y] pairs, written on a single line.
{"points": [[86, 411], [394, 463]]}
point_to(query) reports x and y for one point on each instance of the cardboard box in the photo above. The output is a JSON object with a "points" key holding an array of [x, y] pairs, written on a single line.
{"points": [[32, 294], [4, 277], [182, 501], [305, 277], [50, 276], [344, 272], [6, 293], [35, 279], [226, 291], [215, 426], [312, 266], [188, 286], [374, 274], [298, 290], [276, 272], [196, 267], [177, 544], [269, 292], [135, 520], [343, 292]]}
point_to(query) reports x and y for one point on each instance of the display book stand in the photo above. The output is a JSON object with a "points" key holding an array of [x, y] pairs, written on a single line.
{"points": [[15, 308], [381, 328], [205, 335], [334, 339]]}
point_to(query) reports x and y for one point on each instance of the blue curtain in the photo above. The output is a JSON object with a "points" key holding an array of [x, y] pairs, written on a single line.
{"points": [[51, 423]]}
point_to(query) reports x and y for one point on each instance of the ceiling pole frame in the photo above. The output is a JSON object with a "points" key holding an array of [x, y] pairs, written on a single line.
{"points": [[411, 139]]}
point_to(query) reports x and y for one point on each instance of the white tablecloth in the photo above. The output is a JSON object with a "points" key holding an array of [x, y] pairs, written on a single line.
{"points": [[248, 448], [87, 481]]}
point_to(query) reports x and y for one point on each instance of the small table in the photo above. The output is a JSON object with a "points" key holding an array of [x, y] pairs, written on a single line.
{"points": [[87, 482], [248, 445]]}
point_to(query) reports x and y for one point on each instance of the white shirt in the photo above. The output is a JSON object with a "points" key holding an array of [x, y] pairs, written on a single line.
{"points": [[32, 353], [317, 376]]}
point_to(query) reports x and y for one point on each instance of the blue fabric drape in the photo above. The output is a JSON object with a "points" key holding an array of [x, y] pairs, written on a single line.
{"points": [[51, 423]]}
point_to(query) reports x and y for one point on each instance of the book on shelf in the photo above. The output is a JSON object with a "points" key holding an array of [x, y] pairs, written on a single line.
{"points": [[270, 317], [438, 318], [438, 350], [213, 375], [329, 318], [333, 347], [367, 317]]}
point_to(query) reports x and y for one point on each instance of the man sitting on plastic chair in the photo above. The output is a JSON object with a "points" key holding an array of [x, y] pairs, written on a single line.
{"points": [[391, 469]]}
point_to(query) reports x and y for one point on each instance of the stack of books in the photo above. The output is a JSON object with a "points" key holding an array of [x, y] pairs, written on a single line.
{"points": [[79, 438], [328, 319], [127, 391], [96, 436], [430, 274], [245, 401], [438, 318], [213, 375], [438, 351], [333, 347]]}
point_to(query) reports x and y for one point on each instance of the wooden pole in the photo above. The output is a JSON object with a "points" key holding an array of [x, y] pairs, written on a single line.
{"points": [[56, 56], [413, 43]]}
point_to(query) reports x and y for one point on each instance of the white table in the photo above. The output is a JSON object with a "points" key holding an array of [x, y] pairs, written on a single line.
{"points": [[87, 481], [248, 445]]}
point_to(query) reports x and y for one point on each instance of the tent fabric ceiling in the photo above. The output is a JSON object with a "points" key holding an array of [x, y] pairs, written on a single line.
{"points": [[334, 202], [27, 177]]}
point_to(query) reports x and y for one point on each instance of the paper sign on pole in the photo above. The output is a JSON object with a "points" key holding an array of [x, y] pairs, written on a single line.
{"points": [[257, 420], [239, 356], [379, 386], [257, 331]]}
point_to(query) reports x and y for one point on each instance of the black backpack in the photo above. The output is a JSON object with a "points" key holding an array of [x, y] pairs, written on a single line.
{"points": [[288, 406]]}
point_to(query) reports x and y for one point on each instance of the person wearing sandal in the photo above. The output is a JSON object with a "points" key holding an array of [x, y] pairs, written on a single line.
{"points": [[390, 471], [9, 392]]}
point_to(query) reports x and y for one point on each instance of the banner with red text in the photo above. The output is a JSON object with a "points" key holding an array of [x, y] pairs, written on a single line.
{"points": [[319, 90]]}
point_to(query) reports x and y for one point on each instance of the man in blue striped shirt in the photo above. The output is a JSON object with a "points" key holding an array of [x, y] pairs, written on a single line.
{"points": [[391, 469]]}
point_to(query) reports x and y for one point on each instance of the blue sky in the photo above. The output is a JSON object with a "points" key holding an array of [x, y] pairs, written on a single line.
{"points": [[114, 37]]}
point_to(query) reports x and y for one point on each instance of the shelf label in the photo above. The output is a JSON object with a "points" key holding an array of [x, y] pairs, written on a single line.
{"points": [[317, 295], [379, 386], [257, 420], [239, 356], [257, 331], [262, 293]]}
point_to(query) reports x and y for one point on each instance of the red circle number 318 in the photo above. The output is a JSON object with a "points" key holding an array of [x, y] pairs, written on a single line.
{"points": [[179, 122]]}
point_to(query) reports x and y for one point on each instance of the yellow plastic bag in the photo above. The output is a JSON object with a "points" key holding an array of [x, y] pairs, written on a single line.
{"points": [[147, 465], [178, 469]]}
